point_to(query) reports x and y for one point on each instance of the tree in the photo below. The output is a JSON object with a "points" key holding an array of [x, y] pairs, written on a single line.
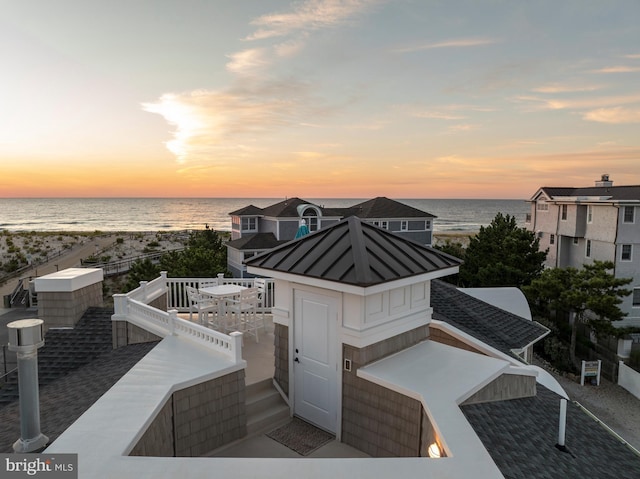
{"points": [[591, 294], [454, 248], [502, 254], [204, 257], [141, 270]]}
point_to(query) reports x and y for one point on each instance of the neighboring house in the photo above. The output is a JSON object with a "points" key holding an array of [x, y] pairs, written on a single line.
{"points": [[581, 225], [256, 230]]}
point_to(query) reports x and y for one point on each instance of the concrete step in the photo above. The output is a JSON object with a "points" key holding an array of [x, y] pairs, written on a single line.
{"points": [[265, 407]]}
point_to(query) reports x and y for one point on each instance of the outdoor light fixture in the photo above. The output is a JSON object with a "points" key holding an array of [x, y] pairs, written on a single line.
{"points": [[434, 451]]}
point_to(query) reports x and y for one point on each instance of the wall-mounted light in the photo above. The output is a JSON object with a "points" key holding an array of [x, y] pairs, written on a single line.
{"points": [[434, 451]]}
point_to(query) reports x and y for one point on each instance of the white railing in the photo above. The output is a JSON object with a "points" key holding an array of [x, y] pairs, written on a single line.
{"points": [[133, 307], [150, 290], [177, 295]]}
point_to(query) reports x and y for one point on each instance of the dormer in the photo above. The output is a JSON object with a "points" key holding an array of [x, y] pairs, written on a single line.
{"points": [[311, 214]]}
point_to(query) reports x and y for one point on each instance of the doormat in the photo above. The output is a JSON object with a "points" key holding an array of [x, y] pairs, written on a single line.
{"points": [[300, 436]]}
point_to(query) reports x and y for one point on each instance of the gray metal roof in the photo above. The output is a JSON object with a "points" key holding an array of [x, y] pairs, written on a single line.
{"points": [[491, 325], [355, 253]]}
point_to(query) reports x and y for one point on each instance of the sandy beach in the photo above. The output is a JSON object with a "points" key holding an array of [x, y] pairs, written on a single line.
{"points": [[46, 252]]}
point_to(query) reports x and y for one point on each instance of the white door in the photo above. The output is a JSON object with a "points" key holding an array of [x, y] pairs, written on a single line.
{"points": [[315, 359]]}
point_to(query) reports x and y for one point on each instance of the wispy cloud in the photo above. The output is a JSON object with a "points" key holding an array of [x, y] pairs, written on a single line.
{"points": [[438, 115], [454, 43], [309, 15], [451, 112], [537, 103], [618, 69], [207, 121], [633, 56], [248, 62], [565, 88], [614, 115], [462, 127], [257, 101]]}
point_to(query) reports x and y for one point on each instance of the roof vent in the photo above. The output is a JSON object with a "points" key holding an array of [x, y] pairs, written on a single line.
{"points": [[604, 181], [25, 337]]}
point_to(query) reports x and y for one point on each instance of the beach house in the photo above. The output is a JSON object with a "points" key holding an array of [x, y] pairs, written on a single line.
{"points": [[579, 225], [368, 344], [256, 230]]}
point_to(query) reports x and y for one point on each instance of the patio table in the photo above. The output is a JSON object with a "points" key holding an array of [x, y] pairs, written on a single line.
{"points": [[221, 293]]}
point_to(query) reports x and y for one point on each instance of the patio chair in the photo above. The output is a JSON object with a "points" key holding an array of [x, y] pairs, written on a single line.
{"points": [[244, 311], [261, 285], [201, 303]]}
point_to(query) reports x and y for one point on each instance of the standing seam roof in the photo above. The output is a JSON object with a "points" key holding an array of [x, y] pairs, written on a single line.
{"points": [[354, 252]]}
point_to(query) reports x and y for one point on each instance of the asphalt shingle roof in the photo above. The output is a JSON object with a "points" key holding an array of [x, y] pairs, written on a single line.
{"points": [[78, 368], [356, 253], [283, 209], [256, 241], [491, 325], [382, 207], [521, 434], [250, 210], [621, 193], [67, 349]]}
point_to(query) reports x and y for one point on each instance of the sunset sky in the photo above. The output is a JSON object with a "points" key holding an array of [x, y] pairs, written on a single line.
{"points": [[317, 98]]}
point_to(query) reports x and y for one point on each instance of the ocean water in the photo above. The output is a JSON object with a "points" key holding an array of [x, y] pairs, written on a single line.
{"points": [[171, 214]]}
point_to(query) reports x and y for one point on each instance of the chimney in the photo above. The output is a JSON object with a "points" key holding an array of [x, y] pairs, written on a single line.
{"points": [[604, 181], [25, 337]]}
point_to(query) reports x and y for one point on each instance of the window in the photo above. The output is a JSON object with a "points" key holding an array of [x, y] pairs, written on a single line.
{"points": [[404, 225], [428, 225], [625, 254], [636, 297], [249, 224], [542, 206], [576, 241], [382, 224], [629, 214], [552, 239], [589, 214], [564, 213], [587, 251], [310, 215]]}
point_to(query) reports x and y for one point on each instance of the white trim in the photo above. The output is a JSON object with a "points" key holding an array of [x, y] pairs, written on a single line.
{"points": [[633, 210], [630, 253], [632, 294], [347, 288]]}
